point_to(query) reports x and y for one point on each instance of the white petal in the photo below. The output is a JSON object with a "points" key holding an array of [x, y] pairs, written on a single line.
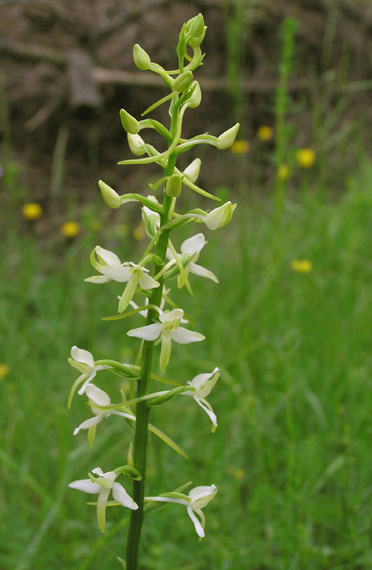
{"points": [[97, 471], [81, 355], [212, 415], [172, 315], [108, 257], [201, 496], [147, 282], [86, 486], [121, 496], [89, 423], [149, 332], [204, 383], [193, 245], [184, 336], [109, 476], [201, 271], [97, 395], [118, 273], [86, 383], [198, 527]]}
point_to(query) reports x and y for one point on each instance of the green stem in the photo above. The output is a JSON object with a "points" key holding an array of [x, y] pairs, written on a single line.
{"points": [[142, 410]]}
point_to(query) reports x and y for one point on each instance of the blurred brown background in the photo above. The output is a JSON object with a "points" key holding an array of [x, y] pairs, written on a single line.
{"points": [[67, 69]]}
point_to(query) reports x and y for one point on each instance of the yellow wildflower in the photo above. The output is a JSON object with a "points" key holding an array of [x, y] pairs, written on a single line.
{"points": [[305, 157], [70, 229], [139, 232], [240, 147], [265, 133], [301, 266], [282, 172], [4, 370], [239, 474], [32, 211]]}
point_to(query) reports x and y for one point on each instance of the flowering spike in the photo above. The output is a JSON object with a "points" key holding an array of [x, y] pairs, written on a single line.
{"points": [[147, 277]]}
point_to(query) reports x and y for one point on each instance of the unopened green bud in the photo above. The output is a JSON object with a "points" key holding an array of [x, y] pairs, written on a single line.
{"points": [[196, 96], [195, 26], [197, 40], [136, 144], [219, 217], [183, 81], [141, 58], [173, 186], [111, 198], [227, 138], [130, 124], [193, 169]]}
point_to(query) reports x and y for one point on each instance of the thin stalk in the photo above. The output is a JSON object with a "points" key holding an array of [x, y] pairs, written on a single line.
{"points": [[142, 409]]}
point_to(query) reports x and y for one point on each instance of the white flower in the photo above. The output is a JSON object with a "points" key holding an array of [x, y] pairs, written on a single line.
{"points": [[198, 498], [100, 398], [102, 485], [219, 217], [108, 263], [203, 385], [167, 329], [190, 251], [83, 361]]}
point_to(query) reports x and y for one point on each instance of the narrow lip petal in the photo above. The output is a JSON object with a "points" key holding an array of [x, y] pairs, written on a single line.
{"points": [[121, 496], [86, 486], [107, 256], [101, 507], [148, 332], [82, 355], [193, 245], [184, 336], [127, 294], [166, 346], [198, 527], [212, 416]]}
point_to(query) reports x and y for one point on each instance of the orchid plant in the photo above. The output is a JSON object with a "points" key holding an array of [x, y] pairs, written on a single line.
{"points": [[150, 277]]}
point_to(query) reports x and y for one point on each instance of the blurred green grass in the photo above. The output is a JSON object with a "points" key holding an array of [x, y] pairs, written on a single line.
{"points": [[291, 456]]}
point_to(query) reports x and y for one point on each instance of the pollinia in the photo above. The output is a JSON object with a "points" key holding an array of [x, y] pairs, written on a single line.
{"points": [[151, 277]]}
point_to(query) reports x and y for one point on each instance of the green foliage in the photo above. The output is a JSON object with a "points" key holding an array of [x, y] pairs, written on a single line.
{"points": [[291, 453]]}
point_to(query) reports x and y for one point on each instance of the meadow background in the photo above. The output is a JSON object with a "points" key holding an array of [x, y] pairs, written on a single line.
{"points": [[289, 325]]}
